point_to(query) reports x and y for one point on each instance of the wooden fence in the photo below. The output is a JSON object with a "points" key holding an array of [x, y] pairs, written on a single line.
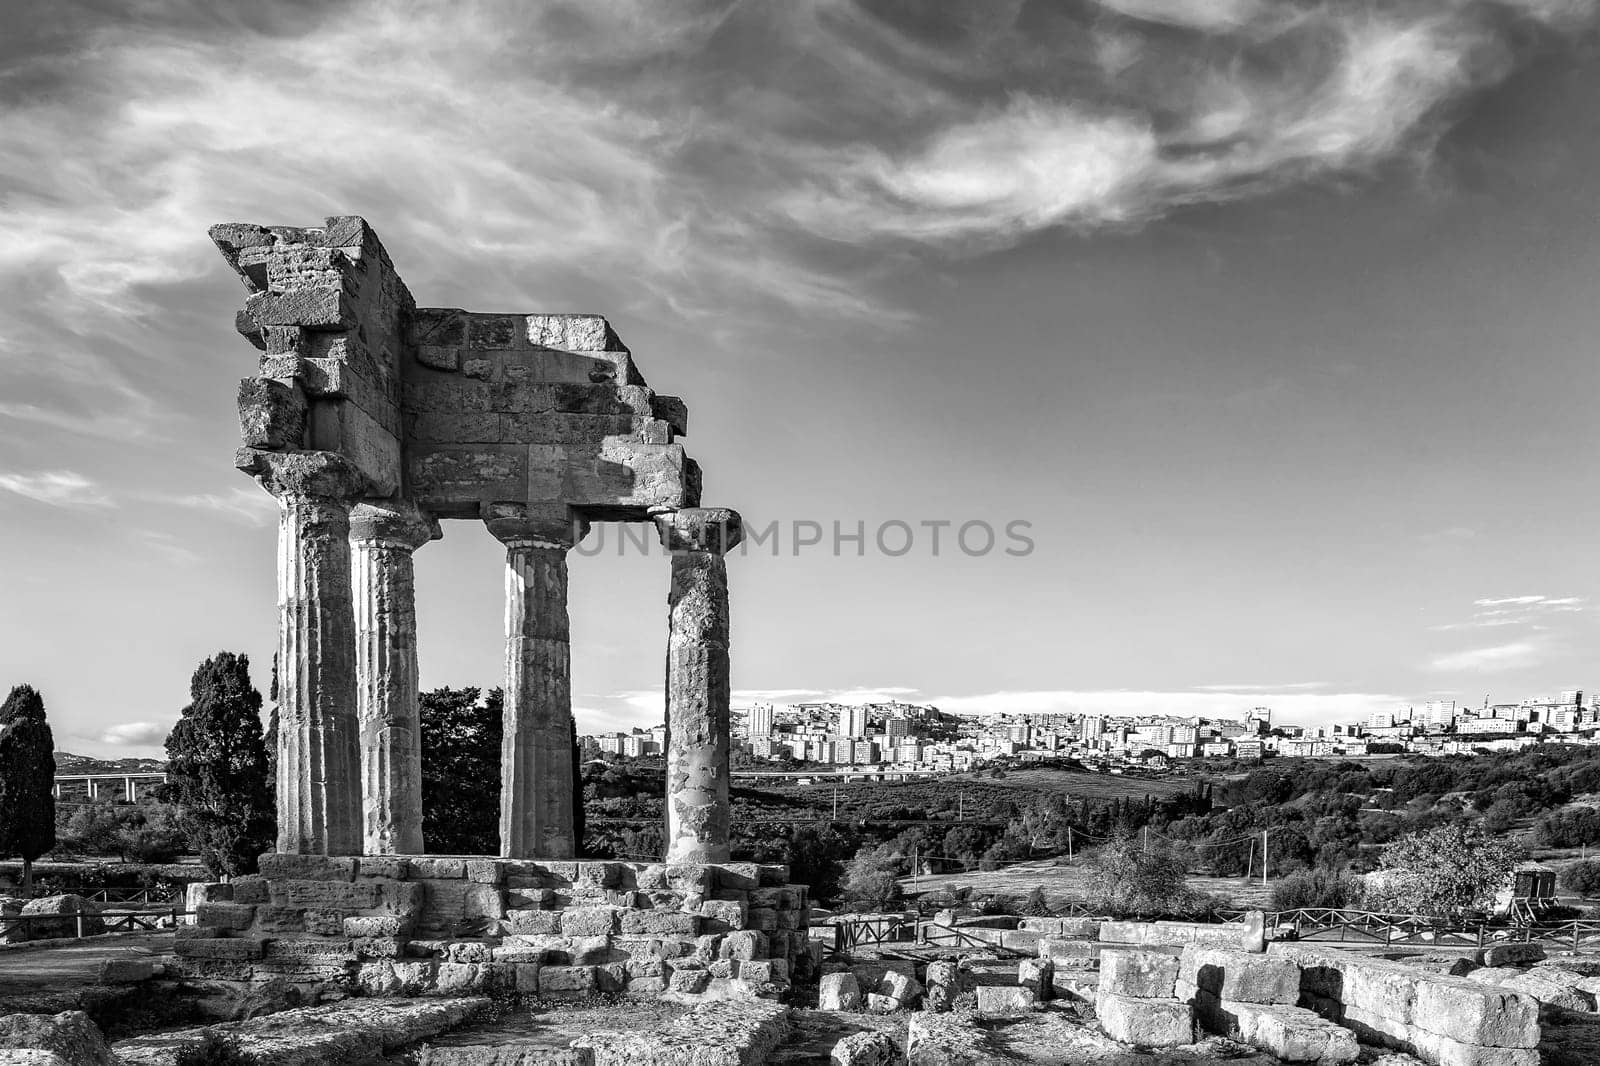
{"points": [[140, 921], [1368, 927]]}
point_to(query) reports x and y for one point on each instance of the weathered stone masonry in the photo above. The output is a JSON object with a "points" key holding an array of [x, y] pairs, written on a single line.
{"points": [[442, 924], [370, 419]]}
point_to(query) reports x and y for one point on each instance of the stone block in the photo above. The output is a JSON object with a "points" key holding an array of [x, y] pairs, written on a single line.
{"points": [[1038, 975], [252, 888], [839, 991], [231, 948], [461, 978], [744, 944], [483, 901], [691, 982], [647, 985], [383, 868], [865, 1049], [389, 925], [229, 916], [1002, 1001], [588, 921], [770, 971], [1293, 1034], [1153, 1023], [1138, 974], [740, 876], [722, 915], [377, 947], [659, 923], [486, 871], [128, 971], [878, 1003], [567, 980], [721, 969], [948, 1040], [332, 895], [429, 867], [1240, 976], [1464, 1010], [1517, 954], [321, 923], [1078, 953], [70, 1035], [277, 867], [1552, 987], [533, 923]]}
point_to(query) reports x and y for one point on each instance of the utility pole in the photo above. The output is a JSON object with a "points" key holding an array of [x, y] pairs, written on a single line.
{"points": [[1264, 858], [836, 801], [961, 806], [913, 869], [1250, 863], [1147, 838], [1069, 845]]}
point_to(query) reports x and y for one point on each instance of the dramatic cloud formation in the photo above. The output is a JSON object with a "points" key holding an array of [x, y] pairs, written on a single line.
{"points": [[60, 488], [718, 157]]}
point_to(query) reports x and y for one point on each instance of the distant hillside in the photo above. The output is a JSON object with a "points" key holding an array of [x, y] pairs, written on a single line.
{"points": [[68, 763]]}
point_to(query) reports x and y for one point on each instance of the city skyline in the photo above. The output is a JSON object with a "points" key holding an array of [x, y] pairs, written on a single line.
{"points": [[1288, 380]]}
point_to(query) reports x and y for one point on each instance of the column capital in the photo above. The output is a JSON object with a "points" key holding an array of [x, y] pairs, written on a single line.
{"points": [[303, 473], [701, 529], [400, 523], [519, 526]]}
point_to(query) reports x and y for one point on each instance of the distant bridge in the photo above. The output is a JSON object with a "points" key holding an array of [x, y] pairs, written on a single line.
{"points": [[94, 787]]}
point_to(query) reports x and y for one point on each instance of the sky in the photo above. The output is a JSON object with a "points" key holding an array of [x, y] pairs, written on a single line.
{"points": [[1259, 332]]}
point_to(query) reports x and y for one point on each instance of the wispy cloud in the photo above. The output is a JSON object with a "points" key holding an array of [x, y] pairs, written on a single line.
{"points": [[250, 506], [721, 157], [136, 734], [1516, 655], [58, 488], [1531, 611]]}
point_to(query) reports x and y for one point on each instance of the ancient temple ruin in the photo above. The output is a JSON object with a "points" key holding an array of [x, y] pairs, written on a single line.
{"points": [[370, 419]]}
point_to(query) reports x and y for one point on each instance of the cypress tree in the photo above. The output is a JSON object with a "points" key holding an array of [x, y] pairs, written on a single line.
{"points": [[27, 772], [217, 768]]}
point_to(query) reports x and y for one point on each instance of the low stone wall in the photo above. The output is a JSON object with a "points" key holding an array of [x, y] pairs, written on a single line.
{"points": [[1444, 1020], [415, 924], [1249, 935]]}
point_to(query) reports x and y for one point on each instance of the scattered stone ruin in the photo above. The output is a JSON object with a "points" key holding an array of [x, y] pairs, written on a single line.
{"points": [[370, 419]]}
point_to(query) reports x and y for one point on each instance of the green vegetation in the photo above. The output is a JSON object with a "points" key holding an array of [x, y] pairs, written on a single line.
{"points": [[27, 769], [1129, 879], [1582, 877], [1447, 870], [215, 1049], [146, 832], [217, 769], [460, 771]]}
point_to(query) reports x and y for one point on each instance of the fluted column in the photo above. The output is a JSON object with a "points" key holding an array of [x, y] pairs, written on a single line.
{"points": [[383, 536], [537, 789], [698, 685], [319, 757]]}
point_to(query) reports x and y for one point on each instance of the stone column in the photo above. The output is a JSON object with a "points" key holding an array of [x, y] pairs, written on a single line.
{"points": [[383, 536], [536, 783], [698, 687], [319, 755]]}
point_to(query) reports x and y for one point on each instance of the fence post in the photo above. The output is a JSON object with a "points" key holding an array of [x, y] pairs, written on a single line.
{"points": [[79, 924]]}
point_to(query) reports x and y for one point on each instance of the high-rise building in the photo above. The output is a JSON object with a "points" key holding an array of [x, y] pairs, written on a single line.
{"points": [[852, 721], [761, 720], [896, 726], [1092, 729], [1259, 719]]}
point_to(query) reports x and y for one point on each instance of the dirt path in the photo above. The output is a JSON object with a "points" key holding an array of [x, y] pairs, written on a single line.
{"points": [[73, 965]]}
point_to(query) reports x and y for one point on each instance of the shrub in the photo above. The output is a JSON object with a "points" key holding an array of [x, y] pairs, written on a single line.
{"points": [[215, 1050], [1582, 877], [1310, 888], [1125, 879]]}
